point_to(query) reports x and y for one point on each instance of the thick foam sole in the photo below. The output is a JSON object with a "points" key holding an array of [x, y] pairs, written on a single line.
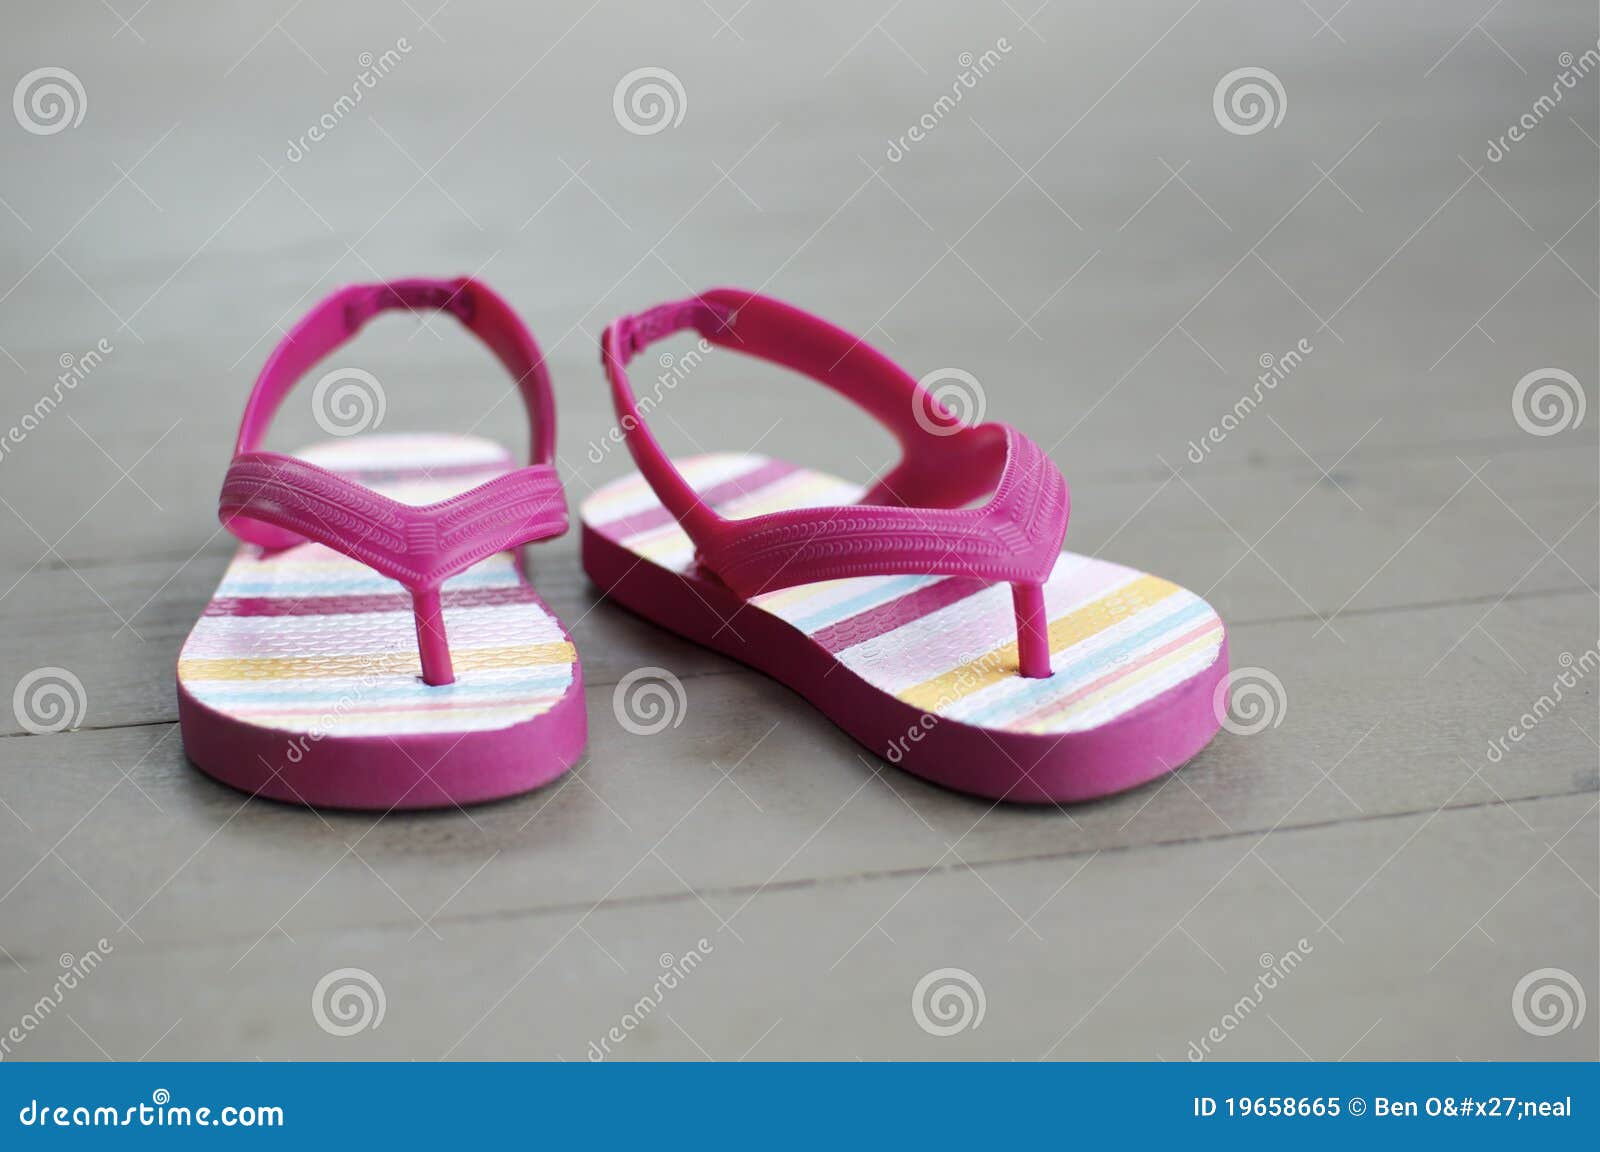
{"points": [[1138, 745], [377, 772]]}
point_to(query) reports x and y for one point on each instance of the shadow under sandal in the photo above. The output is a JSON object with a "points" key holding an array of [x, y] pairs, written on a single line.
{"points": [[932, 616], [375, 642]]}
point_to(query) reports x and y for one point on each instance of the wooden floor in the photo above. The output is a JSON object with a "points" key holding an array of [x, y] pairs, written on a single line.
{"points": [[1384, 536]]}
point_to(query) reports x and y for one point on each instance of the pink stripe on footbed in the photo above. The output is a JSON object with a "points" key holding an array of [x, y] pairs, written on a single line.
{"points": [[907, 609], [356, 605]]}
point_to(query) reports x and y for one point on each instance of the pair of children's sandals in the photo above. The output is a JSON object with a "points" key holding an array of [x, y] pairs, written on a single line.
{"points": [[376, 642]]}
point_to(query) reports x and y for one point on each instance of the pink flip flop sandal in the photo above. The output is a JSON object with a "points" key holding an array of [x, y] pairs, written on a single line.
{"points": [[375, 642], [887, 608]]}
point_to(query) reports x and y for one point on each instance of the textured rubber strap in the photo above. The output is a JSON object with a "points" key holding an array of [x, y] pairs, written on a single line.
{"points": [[1015, 536], [418, 545], [913, 521]]}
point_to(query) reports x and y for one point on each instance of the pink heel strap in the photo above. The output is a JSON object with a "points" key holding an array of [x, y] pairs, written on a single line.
{"points": [[913, 522], [277, 501], [336, 319]]}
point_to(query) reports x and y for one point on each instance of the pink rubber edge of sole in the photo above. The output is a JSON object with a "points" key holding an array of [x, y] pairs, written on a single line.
{"points": [[435, 770], [1151, 740]]}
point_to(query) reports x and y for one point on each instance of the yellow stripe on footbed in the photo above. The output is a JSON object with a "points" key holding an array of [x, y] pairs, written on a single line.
{"points": [[1073, 628], [1209, 639], [376, 663]]}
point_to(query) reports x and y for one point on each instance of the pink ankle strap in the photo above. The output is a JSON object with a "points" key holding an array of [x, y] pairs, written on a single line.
{"points": [[913, 521], [277, 501]]}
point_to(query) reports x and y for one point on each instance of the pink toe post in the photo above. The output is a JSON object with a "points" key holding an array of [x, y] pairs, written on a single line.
{"points": [[277, 501], [917, 520], [1033, 631]]}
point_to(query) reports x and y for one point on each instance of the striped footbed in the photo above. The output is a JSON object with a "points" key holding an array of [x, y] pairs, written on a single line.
{"points": [[945, 645], [309, 641]]}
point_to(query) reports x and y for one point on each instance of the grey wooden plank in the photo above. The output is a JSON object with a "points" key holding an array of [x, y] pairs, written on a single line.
{"points": [[1261, 545], [754, 786], [1405, 938], [1117, 338], [67, 503]]}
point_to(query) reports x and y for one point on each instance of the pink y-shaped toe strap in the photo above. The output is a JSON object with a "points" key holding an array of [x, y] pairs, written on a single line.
{"points": [[914, 521], [278, 501]]}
